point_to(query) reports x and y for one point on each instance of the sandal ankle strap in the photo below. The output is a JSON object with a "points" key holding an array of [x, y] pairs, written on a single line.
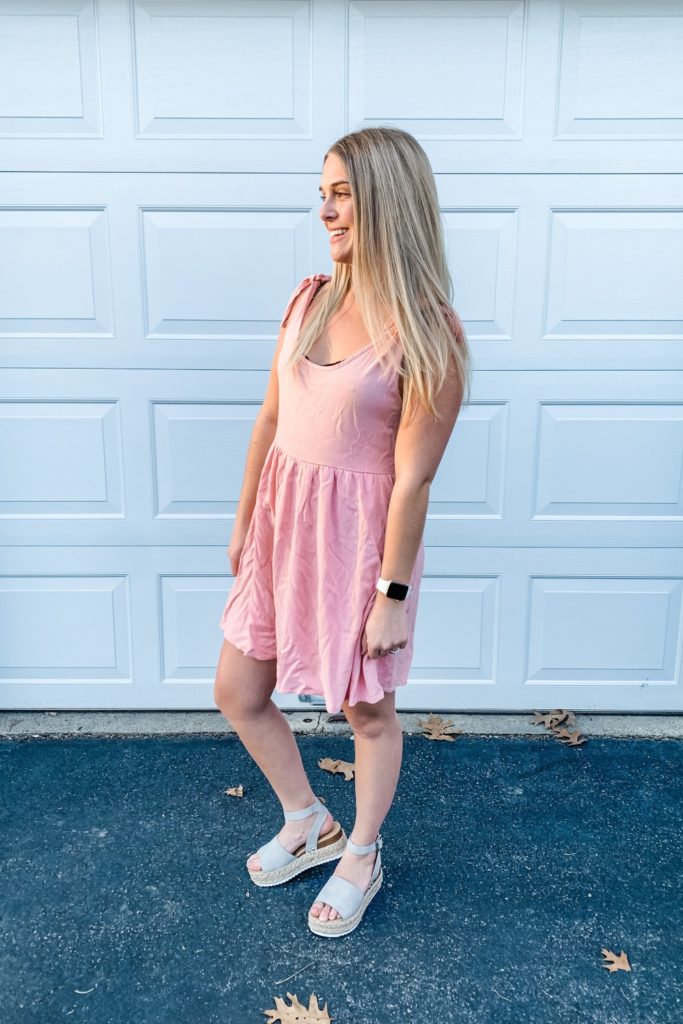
{"points": [[320, 810], [369, 848], [305, 812]]}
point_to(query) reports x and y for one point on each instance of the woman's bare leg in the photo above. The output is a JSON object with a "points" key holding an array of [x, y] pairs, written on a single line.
{"points": [[242, 691], [378, 754]]}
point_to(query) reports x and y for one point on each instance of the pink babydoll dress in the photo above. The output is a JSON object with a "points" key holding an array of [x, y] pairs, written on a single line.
{"points": [[306, 580]]}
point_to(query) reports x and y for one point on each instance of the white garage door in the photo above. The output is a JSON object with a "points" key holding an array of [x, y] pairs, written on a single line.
{"points": [[159, 204]]}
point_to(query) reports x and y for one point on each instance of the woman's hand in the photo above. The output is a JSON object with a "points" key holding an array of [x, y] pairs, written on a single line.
{"points": [[385, 627], [236, 546]]}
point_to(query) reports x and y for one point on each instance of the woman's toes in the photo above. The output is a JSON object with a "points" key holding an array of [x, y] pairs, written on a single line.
{"points": [[315, 909], [254, 862]]}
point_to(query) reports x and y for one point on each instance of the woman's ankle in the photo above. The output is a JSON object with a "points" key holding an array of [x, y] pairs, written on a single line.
{"points": [[298, 805]]}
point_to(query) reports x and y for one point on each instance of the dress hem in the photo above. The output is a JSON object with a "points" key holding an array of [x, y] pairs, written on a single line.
{"points": [[250, 652], [336, 710]]}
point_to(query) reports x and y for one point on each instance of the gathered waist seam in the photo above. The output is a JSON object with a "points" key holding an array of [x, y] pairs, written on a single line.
{"points": [[325, 465]]}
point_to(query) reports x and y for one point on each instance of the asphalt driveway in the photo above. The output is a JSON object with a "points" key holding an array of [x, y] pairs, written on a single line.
{"points": [[510, 863]]}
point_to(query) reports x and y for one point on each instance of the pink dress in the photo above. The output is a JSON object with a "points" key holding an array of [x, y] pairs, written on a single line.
{"points": [[313, 551]]}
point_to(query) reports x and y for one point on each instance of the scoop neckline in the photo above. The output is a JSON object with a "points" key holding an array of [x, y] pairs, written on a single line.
{"points": [[323, 279], [338, 362]]}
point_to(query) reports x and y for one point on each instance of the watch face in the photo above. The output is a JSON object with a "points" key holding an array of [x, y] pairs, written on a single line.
{"points": [[399, 591]]}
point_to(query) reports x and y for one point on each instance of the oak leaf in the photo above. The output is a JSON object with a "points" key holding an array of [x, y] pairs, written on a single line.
{"points": [[334, 765], [235, 790], [554, 719], [570, 739], [614, 962], [436, 729], [297, 1013]]}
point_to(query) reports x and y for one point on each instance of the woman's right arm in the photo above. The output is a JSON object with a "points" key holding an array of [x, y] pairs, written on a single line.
{"points": [[262, 435]]}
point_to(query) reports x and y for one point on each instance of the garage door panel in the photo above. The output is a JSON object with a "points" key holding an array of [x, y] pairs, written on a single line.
{"points": [[159, 85], [620, 70], [56, 273], [214, 253], [124, 458], [61, 459], [49, 70], [161, 205], [461, 66], [582, 628]]}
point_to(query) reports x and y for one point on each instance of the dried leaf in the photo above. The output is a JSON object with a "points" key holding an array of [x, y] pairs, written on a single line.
{"points": [[297, 1013], [553, 719], [334, 765], [236, 790], [614, 962], [570, 739], [436, 729]]}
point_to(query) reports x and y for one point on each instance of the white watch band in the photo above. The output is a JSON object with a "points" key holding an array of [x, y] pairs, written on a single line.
{"points": [[383, 586]]}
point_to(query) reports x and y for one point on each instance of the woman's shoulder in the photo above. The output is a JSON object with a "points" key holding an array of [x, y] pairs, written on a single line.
{"points": [[454, 321], [300, 288]]}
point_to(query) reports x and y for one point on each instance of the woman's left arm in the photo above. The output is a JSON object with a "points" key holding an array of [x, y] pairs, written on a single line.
{"points": [[419, 448]]}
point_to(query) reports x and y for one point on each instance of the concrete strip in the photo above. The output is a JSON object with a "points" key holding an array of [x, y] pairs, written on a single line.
{"points": [[31, 724]]}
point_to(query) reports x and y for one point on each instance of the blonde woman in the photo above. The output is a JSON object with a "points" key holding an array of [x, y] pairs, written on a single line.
{"points": [[368, 376]]}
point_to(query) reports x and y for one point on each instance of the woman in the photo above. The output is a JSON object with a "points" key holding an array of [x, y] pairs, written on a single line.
{"points": [[368, 376]]}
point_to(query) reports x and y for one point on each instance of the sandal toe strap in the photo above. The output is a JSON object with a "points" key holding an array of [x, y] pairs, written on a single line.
{"points": [[274, 856], [344, 896]]}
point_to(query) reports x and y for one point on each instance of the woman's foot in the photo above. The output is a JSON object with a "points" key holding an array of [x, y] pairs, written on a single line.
{"points": [[294, 834], [355, 868]]}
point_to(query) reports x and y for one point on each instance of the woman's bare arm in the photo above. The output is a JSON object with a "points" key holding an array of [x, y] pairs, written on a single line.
{"points": [[262, 435]]}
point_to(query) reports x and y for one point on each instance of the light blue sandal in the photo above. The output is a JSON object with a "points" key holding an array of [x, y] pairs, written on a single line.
{"points": [[346, 898], [279, 865]]}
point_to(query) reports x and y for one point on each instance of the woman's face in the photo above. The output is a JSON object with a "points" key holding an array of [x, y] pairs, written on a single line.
{"points": [[336, 209]]}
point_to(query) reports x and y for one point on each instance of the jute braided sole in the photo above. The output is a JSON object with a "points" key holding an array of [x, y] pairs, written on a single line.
{"points": [[330, 847], [341, 925]]}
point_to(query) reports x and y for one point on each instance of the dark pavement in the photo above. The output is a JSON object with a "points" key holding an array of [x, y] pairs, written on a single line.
{"points": [[509, 864]]}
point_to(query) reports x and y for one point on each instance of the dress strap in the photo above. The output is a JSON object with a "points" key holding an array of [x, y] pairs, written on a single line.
{"points": [[306, 283]]}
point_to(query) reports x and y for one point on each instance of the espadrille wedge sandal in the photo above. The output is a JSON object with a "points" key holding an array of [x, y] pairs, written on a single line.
{"points": [[279, 865], [346, 898]]}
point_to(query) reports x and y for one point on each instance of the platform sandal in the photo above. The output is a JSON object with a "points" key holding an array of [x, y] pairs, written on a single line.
{"points": [[346, 898], [279, 865]]}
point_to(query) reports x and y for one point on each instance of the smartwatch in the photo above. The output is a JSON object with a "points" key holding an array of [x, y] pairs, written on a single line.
{"points": [[394, 589]]}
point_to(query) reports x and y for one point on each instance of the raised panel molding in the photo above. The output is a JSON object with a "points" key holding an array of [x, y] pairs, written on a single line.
{"points": [[482, 246], [615, 275], [188, 486], [55, 277], [456, 630], [187, 605], [84, 626], [612, 461], [199, 68], [49, 69], [471, 474], [216, 273], [60, 460], [460, 66], [612, 630], [620, 74]]}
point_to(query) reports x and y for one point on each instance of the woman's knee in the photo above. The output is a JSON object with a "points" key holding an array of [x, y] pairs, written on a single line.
{"points": [[243, 685], [373, 720]]}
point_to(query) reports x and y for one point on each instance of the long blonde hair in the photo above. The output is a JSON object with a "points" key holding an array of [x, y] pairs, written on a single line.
{"points": [[401, 282]]}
